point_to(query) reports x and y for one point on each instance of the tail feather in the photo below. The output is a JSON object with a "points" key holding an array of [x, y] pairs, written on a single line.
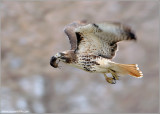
{"points": [[131, 69]]}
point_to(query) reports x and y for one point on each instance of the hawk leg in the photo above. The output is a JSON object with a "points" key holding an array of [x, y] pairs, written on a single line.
{"points": [[110, 80], [115, 77]]}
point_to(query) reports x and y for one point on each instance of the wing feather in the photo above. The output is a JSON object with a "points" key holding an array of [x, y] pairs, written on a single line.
{"points": [[117, 31], [101, 39], [69, 30]]}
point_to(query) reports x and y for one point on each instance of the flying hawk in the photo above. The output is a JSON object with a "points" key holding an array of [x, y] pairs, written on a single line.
{"points": [[93, 46]]}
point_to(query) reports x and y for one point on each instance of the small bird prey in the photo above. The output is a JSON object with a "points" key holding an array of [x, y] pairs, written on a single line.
{"points": [[93, 46]]}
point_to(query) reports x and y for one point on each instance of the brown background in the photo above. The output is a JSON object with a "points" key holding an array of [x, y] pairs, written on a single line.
{"points": [[32, 32]]}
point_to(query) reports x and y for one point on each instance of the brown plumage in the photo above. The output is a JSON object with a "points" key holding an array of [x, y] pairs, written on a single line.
{"points": [[94, 45]]}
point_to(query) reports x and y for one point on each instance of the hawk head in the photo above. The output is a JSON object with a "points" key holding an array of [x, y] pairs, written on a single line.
{"points": [[56, 59], [61, 56]]}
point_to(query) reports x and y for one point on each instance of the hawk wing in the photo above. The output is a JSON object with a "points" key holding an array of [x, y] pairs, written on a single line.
{"points": [[69, 30], [100, 39]]}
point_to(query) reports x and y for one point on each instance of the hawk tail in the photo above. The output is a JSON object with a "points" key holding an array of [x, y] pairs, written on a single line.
{"points": [[131, 69]]}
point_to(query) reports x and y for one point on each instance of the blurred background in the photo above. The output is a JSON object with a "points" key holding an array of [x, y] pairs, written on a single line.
{"points": [[32, 32]]}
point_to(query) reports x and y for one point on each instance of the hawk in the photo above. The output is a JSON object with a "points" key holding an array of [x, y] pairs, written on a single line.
{"points": [[93, 46]]}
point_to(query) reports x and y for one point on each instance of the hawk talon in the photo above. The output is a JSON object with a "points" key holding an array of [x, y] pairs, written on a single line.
{"points": [[116, 78], [110, 80], [114, 82], [114, 75]]}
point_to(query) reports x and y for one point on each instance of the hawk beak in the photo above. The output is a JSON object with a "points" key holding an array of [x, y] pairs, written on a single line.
{"points": [[53, 62]]}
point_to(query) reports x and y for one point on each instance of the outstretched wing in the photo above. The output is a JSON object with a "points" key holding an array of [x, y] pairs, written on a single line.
{"points": [[70, 32], [101, 39]]}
